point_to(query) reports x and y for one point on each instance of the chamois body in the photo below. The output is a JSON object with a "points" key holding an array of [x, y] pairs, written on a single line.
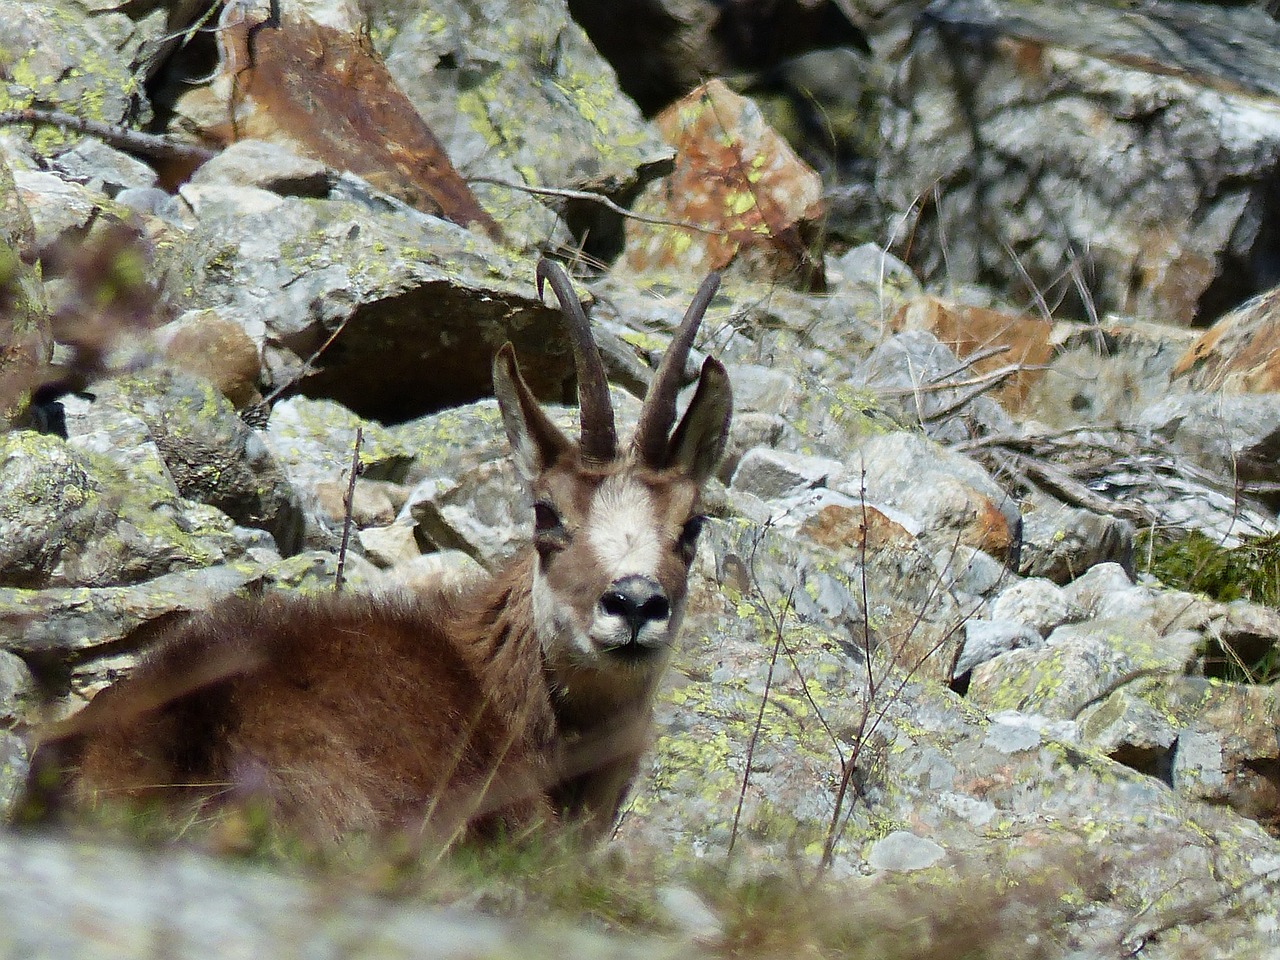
{"points": [[521, 698]]}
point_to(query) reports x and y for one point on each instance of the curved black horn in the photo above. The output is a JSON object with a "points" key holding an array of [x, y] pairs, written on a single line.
{"points": [[659, 410], [599, 439]]}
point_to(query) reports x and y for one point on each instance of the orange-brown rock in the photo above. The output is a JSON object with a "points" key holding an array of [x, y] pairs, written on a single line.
{"points": [[1240, 353], [218, 350], [758, 204], [968, 330], [325, 92], [839, 527]]}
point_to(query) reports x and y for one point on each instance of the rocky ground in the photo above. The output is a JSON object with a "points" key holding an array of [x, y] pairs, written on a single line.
{"points": [[1012, 337]]}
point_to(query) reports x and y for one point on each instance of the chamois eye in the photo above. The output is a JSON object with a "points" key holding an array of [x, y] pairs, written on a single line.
{"points": [[689, 534], [549, 534], [546, 519]]}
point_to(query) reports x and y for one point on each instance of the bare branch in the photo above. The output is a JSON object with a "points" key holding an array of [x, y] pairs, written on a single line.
{"points": [[568, 194], [348, 507], [125, 138]]}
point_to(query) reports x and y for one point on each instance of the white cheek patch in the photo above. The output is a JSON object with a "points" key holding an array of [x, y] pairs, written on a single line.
{"points": [[622, 529], [552, 621]]}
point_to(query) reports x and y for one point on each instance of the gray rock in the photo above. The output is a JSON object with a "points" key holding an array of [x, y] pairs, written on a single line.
{"points": [[421, 304], [152, 202], [1064, 167], [268, 166], [911, 371], [1060, 543], [103, 168], [78, 623], [1231, 435], [128, 900], [1105, 374], [212, 456], [987, 639], [1036, 602], [902, 852], [480, 510], [777, 475], [870, 267], [969, 571]]}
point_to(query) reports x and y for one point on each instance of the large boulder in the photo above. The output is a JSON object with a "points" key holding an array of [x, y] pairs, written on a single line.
{"points": [[1120, 159]]}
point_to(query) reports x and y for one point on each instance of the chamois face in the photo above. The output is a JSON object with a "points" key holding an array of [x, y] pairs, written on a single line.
{"points": [[614, 531], [614, 548]]}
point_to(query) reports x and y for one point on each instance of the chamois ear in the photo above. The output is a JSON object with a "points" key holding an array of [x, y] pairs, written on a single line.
{"points": [[536, 442], [699, 441]]}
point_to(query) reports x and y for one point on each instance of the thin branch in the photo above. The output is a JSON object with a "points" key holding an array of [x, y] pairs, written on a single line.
{"points": [[309, 364], [125, 138], [348, 507], [568, 194], [978, 386]]}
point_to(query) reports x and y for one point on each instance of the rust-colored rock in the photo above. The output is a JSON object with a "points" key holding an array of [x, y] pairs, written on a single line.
{"points": [[217, 349], [325, 92], [838, 527], [758, 203], [967, 330], [1240, 353]]}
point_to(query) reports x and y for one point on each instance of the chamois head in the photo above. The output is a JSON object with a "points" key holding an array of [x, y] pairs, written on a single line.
{"points": [[614, 528]]}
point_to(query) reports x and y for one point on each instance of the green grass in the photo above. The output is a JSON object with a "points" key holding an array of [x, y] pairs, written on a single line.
{"points": [[1251, 571]]}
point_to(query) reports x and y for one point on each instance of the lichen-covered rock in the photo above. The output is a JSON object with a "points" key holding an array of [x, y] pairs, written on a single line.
{"points": [[1210, 741], [1059, 543], [17, 690], [516, 92], [210, 454], [314, 441], [1078, 664], [98, 632], [754, 746], [392, 314], [55, 56], [72, 518], [26, 341], [468, 497]]}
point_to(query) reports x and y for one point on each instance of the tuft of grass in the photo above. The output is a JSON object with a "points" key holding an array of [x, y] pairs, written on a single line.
{"points": [[1250, 571]]}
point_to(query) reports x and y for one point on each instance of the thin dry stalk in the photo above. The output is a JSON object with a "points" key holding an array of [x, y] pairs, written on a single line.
{"points": [[348, 507], [569, 194]]}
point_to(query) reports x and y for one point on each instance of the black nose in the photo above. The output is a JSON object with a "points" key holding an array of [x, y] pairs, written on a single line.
{"points": [[637, 600]]}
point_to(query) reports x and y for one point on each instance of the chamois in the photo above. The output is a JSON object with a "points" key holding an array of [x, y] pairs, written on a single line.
{"points": [[523, 698]]}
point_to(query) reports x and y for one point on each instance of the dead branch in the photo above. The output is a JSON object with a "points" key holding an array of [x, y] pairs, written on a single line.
{"points": [[568, 194], [125, 138], [348, 508]]}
